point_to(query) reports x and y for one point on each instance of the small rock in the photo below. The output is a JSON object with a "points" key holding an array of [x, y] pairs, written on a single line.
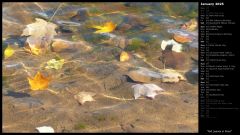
{"points": [[82, 15], [175, 60], [26, 103], [112, 81], [182, 39], [135, 76], [60, 45], [146, 75]]}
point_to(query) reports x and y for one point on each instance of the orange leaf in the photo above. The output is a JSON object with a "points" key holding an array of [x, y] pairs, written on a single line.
{"points": [[39, 82], [182, 39]]}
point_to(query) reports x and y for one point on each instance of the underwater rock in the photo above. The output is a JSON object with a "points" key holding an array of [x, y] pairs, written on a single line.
{"points": [[60, 45], [181, 39], [26, 103], [136, 22], [100, 70], [175, 60], [119, 41], [146, 75], [193, 35], [138, 77], [81, 15], [113, 81]]}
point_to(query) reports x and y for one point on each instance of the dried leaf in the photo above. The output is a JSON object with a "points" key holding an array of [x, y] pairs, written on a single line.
{"points": [[55, 64], [39, 82], [83, 97], [181, 39], [106, 28], [8, 52], [148, 90], [124, 56], [45, 129], [40, 35]]}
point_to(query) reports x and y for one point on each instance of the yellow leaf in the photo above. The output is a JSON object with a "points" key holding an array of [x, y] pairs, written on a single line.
{"points": [[124, 56], [8, 52], [55, 64], [106, 28], [33, 50], [39, 82]]}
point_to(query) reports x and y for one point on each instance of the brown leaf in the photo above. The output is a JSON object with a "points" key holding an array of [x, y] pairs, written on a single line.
{"points": [[40, 35], [83, 97]]}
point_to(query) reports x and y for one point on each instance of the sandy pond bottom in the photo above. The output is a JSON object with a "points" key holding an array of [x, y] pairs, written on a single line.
{"points": [[175, 110]]}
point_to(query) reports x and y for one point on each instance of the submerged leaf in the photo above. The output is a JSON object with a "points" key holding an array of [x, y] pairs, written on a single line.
{"points": [[124, 56], [106, 28], [148, 90], [83, 97], [55, 64], [39, 82], [8, 52], [40, 35]]}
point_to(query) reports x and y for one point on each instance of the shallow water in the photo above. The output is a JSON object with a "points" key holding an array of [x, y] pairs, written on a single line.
{"points": [[92, 64]]}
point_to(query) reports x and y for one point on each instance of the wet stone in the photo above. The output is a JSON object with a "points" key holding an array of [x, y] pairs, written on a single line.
{"points": [[175, 60], [113, 81], [26, 103], [101, 70], [81, 15], [16, 94]]}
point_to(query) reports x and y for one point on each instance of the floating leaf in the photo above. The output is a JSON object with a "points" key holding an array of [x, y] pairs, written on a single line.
{"points": [[40, 35], [83, 97], [148, 90], [106, 28], [55, 64], [45, 129], [8, 52], [182, 39], [39, 82], [124, 56]]}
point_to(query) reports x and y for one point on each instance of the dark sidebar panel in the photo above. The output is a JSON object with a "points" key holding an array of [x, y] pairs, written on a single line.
{"points": [[219, 58]]}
